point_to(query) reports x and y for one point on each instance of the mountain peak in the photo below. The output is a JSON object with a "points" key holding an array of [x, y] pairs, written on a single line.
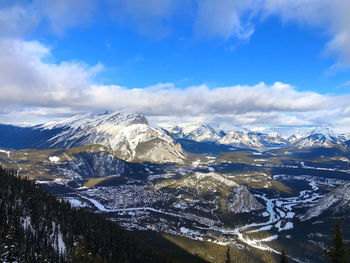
{"points": [[123, 132], [91, 119], [334, 202], [322, 136], [325, 131], [198, 131]]}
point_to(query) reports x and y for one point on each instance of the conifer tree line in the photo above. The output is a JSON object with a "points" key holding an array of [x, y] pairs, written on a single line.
{"points": [[340, 251], [284, 258], [36, 227]]}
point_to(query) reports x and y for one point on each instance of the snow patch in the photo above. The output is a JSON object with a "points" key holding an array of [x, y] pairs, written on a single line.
{"points": [[54, 159], [6, 152]]}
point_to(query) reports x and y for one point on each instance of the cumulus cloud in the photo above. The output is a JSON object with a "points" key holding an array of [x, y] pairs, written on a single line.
{"points": [[151, 17], [330, 16], [26, 79], [228, 19], [237, 19], [199, 100], [225, 18], [221, 18], [18, 18], [32, 85]]}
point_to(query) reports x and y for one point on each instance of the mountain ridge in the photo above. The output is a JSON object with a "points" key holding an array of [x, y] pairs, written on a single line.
{"points": [[128, 135]]}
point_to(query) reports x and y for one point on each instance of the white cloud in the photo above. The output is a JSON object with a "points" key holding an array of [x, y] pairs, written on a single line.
{"points": [[198, 100], [226, 18], [27, 80], [23, 17], [332, 17], [33, 88], [221, 18], [345, 84], [17, 20], [237, 19], [150, 17]]}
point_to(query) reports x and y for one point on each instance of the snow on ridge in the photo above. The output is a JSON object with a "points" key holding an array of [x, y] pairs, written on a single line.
{"points": [[90, 119], [200, 131], [122, 132], [54, 159], [194, 179], [336, 200], [111, 124], [322, 136], [6, 152], [325, 131]]}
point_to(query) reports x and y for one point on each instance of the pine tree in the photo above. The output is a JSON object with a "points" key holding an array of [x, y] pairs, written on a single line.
{"points": [[339, 253], [81, 255], [284, 258], [228, 259], [99, 240]]}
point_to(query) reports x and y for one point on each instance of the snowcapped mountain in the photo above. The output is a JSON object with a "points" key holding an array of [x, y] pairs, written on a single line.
{"points": [[346, 136], [273, 138], [128, 135], [131, 138], [241, 138], [252, 139], [322, 136], [199, 132], [335, 202], [292, 139]]}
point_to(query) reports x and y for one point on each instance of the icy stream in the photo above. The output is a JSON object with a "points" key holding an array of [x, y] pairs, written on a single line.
{"points": [[280, 211]]}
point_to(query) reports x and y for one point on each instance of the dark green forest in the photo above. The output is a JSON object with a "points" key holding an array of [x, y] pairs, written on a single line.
{"points": [[36, 227]]}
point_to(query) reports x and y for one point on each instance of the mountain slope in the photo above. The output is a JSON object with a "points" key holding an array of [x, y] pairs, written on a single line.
{"points": [[215, 189], [18, 137], [335, 202], [128, 135], [73, 167], [199, 132], [244, 139], [320, 137], [241, 138], [35, 227]]}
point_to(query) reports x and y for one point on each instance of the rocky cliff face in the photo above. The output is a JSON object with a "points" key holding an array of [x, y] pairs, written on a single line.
{"points": [[128, 135]]}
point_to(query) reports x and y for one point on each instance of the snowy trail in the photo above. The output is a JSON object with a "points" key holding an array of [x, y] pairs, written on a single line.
{"points": [[19, 167], [9, 156]]}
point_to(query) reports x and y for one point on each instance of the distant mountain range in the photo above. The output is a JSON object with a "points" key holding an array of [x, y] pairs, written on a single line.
{"points": [[244, 138], [128, 135], [132, 138], [240, 187]]}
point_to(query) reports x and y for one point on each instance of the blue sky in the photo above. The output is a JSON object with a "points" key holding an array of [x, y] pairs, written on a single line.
{"points": [[183, 60], [275, 52]]}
